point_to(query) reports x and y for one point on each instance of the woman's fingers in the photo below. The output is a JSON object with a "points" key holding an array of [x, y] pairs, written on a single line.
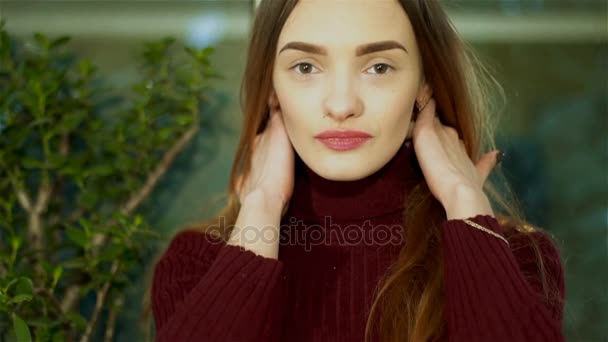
{"points": [[486, 164], [451, 132], [239, 184], [426, 117], [443, 157]]}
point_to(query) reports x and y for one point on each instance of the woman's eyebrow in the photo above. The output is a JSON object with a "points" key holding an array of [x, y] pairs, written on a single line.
{"points": [[360, 51]]}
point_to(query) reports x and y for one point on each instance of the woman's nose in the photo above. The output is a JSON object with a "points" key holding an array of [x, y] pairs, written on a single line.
{"points": [[343, 100]]}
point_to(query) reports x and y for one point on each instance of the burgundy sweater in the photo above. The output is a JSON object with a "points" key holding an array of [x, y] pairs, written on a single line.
{"points": [[337, 239]]}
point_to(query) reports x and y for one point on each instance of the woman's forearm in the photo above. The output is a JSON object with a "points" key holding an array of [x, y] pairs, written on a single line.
{"points": [[257, 226]]}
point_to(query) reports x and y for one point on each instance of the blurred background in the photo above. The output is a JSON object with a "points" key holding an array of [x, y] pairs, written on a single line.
{"points": [[551, 56]]}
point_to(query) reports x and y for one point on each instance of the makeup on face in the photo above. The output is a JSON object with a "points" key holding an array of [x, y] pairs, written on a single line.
{"points": [[343, 140], [347, 88]]}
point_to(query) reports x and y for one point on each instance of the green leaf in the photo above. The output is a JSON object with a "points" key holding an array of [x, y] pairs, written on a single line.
{"points": [[78, 236], [30, 163], [86, 68], [22, 332], [121, 218], [58, 336], [24, 287], [111, 252], [72, 121], [75, 263], [86, 225], [41, 39], [38, 122], [56, 275], [101, 170], [80, 182], [16, 243], [21, 298], [101, 278], [148, 233], [77, 320], [183, 120], [48, 268], [192, 52], [18, 134], [42, 333], [85, 290], [208, 50], [165, 133], [41, 322], [88, 199], [138, 220], [10, 283], [60, 41]]}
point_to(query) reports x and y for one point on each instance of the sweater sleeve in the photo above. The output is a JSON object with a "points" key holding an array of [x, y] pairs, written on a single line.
{"points": [[205, 290], [493, 290]]}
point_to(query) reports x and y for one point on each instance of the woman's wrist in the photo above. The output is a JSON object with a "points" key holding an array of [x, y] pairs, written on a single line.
{"points": [[262, 200], [257, 226], [466, 202]]}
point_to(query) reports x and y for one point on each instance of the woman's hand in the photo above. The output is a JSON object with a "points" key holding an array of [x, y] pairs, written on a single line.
{"points": [[264, 193], [272, 165], [449, 172]]}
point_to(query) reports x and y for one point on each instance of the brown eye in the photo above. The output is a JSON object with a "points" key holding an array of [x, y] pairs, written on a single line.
{"points": [[381, 68], [304, 68]]}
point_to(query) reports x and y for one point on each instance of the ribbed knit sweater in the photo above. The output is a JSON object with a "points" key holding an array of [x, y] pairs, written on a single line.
{"points": [[337, 240]]}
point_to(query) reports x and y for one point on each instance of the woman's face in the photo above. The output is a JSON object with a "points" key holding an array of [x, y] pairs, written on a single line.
{"points": [[326, 79]]}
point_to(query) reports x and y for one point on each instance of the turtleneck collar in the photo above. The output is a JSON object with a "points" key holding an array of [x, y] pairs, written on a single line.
{"points": [[383, 192]]}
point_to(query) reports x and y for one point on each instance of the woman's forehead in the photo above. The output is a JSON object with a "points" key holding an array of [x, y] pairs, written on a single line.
{"points": [[346, 23]]}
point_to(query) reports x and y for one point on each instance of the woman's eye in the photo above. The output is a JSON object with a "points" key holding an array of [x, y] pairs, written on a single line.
{"points": [[380, 68], [303, 68], [307, 68]]}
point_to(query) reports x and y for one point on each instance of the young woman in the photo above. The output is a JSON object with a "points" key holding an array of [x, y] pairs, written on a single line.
{"points": [[358, 205]]}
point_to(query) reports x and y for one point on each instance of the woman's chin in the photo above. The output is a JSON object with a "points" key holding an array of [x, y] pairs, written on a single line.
{"points": [[342, 167]]}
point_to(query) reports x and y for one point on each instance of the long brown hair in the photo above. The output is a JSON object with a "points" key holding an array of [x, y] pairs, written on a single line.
{"points": [[409, 301]]}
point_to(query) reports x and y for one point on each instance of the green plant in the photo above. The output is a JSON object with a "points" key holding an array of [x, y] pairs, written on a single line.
{"points": [[76, 161]]}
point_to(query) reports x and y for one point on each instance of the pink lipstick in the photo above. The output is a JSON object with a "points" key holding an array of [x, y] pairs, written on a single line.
{"points": [[343, 140]]}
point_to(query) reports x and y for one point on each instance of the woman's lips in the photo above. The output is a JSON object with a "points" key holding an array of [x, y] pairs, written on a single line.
{"points": [[343, 140]]}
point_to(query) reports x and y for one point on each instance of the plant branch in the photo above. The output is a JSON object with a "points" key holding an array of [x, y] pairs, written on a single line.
{"points": [[111, 323], [35, 221], [45, 292], [137, 198], [74, 216], [23, 198], [101, 296], [69, 297], [64, 150], [160, 170], [71, 294]]}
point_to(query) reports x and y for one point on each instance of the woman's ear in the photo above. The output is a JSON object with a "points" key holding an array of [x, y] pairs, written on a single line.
{"points": [[424, 95], [273, 101]]}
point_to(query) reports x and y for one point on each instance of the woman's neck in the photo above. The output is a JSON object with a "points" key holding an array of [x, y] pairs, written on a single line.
{"points": [[383, 192]]}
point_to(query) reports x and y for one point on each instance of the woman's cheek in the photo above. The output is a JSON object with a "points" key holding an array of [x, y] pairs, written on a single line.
{"points": [[290, 124], [297, 128]]}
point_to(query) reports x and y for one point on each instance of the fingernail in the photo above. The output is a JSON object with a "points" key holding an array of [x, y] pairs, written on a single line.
{"points": [[499, 157]]}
